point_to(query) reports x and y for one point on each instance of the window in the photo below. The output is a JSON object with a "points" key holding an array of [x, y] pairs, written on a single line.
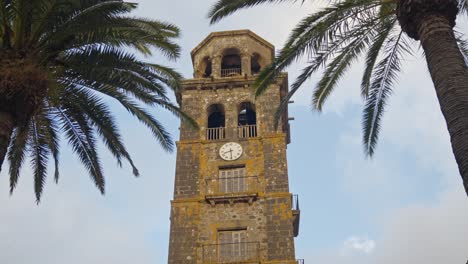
{"points": [[255, 63], [247, 120], [216, 116], [232, 180], [247, 115], [216, 122], [207, 68], [232, 245], [231, 63]]}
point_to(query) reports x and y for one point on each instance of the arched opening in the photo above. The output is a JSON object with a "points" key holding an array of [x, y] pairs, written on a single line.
{"points": [[247, 115], [216, 116], [207, 68], [247, 120], [231, 63], [255, 66], [216, 122]]}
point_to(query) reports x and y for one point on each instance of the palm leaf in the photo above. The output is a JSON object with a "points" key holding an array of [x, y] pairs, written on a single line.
{"points": [[102, 119], [50, 132], [362, 35], [39, 153], [316, 31], [16, 153], [382, 81], [82, 141], [373, 53], [223, 8]]}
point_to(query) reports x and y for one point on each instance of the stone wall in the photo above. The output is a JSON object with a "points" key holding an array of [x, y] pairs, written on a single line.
{"points": [[268, 218]]}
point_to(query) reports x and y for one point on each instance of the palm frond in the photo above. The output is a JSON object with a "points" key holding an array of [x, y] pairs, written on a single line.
{"points": [[223, 8], [316, 31], [355, 40], [463, 6], [39, 153], [116, 32], [159, 132], [373, 53], [175, 110], [117, 68], [81, 139], [101, 118], [16, 153], [50, 130], [383, 78]]}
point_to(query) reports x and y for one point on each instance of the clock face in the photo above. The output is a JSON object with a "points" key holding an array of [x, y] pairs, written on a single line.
{"points": [[230, 151]]}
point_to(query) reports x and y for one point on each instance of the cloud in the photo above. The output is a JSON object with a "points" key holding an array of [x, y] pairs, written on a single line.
{"points": [[427, 233], [68, 229], [358, 244]]}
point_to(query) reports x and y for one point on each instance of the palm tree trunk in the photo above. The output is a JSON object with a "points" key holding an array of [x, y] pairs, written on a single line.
{"points": [[449, 73], [6, 129]]}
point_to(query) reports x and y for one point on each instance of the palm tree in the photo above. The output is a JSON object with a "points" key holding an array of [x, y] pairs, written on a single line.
{"points": [[383, 31], [59, 61]]}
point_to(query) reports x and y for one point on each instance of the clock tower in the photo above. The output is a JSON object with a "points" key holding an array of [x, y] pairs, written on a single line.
{"points": [[232, 202]]}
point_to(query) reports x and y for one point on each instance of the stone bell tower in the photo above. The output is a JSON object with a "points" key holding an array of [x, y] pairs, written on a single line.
{"points": [[231, 196]]}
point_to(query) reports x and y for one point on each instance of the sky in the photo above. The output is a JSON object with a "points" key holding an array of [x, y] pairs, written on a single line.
{"points": [[406, 205]]}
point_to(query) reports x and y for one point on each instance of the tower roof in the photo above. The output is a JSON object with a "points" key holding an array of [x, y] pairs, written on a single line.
{"points": [[233, 33]]}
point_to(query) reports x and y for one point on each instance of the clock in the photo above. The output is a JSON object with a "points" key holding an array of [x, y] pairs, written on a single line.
{"points": [[230, 151]]}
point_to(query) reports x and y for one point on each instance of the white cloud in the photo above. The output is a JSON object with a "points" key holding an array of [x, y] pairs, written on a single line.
{"points": [[358, 244], [68, 229], [429, 234]]}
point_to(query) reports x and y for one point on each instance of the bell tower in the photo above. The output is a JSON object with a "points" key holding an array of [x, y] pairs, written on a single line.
{"points": [[232, 202]]}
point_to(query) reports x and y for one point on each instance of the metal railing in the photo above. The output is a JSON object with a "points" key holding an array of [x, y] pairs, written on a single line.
{"points": [[215, 133], [230, 72], [295, 202], [300, 261], [231, 185], [247, 131], [231, 253]]}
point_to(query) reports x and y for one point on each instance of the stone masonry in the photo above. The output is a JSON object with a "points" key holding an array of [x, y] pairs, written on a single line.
{"points": [[262, 213]]}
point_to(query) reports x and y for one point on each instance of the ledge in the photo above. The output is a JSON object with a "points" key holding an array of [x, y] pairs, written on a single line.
{"points": [[249, 197]]}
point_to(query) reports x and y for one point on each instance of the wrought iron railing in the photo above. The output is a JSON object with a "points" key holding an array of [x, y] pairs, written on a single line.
{"points": [[295, 202], [230, 72], [300, 261], [231, 185], [296, 213], [215, 133], [247, 131], [231, 253]]}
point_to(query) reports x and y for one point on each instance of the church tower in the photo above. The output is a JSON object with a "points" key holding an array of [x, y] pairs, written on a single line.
{"points": [[232, 202]]}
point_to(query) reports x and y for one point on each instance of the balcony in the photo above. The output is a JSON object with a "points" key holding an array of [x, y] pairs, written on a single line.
{"points": [[247, 131], [231, 189], [217, 133], [231, 72], [247, 252], [296, 213]]}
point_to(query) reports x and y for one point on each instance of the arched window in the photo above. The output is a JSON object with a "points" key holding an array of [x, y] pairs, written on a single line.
{"points": [[206, 67], [255, 66], [216, 122], [231, 63], [216, 116], [247, 115], [247, 120]]}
